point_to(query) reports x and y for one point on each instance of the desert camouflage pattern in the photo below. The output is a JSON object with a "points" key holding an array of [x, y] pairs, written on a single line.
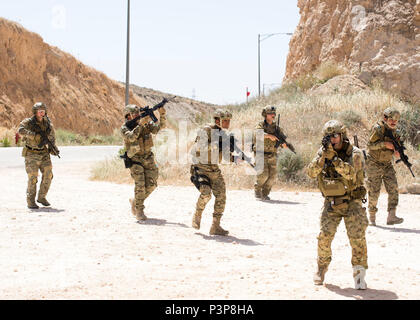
{"points": [[265, 181], [376, 145], [349, 164], [380, 169], [36, 159], [30, 138], [217, 187], [207, 155], [376, 173], [138, 144]]}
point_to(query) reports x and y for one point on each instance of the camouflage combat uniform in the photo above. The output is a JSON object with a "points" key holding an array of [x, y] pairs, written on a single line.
{"points": [[340, 180], [380, 168], [36, 157], [138, 144], [266, 179], [207, 153]]}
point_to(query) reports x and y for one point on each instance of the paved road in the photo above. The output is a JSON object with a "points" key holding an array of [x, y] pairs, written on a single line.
{"points": [[11, 157]]}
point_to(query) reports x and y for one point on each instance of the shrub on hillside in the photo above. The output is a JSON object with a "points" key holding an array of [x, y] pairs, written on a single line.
{"points": [[349, 117], [328, 70], [289, 164], [410, 126]]}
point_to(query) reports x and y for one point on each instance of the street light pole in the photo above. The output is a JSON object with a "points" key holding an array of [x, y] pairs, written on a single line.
{"points": [[259, 65], [261, 38], [127, 71]]}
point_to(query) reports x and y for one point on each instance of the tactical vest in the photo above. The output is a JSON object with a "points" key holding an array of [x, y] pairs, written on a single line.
{"points": [[33, 125], [330, 182], [377, 135], [142, 146], [213, 146], [269, 146]]}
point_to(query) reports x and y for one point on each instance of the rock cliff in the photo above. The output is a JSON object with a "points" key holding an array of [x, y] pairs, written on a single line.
{"points": [[372, 38]]}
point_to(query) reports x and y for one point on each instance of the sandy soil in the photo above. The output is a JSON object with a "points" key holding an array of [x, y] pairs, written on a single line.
{"points": [[88, 246]]}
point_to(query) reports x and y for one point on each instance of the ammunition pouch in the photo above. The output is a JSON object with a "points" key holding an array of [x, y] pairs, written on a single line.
{"points": [[199, 179], [332, 187], [338, 203]]}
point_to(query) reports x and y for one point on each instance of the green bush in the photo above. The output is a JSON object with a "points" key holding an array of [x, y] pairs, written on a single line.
{"points": [[289, 164], [6, 142], [349, 117], [410, 126]]}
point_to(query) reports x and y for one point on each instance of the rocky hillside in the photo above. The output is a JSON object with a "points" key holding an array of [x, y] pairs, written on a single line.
{"points": [[179, 108], [372, 38], [80, 99]]}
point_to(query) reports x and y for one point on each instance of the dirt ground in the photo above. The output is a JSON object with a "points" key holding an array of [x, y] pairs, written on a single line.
{"points": [[89, 246]]}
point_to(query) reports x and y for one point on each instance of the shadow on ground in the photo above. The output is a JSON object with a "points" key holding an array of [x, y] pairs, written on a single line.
{"points": [[404, 230], [369, 294], [50, 210], [230, 239], [161, 222], [280, 202]]}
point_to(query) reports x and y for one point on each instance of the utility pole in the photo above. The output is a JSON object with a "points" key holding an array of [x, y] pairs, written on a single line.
{"points": [[261, 38], [127, 71]]}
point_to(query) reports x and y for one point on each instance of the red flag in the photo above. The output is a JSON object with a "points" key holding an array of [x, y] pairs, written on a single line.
{"points": [[248, 93], [17, 138]]}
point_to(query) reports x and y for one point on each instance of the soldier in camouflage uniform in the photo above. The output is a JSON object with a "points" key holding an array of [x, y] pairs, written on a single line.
{"points": [[267, 178], [380, 168], [339, 168], [37, 154], [138, 144], [207, 153]]}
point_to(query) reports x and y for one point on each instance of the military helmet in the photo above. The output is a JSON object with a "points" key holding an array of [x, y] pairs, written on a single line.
{"points": [[39, 105], [268, 110], [222, 114], [334, 126], [392, 113], [131, 108]]}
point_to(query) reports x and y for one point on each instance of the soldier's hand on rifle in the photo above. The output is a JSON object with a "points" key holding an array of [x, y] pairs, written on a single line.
{"points": [[271, 137], [397, 154], [284, 146], [389, 145], [329, 153], [162, 111]]}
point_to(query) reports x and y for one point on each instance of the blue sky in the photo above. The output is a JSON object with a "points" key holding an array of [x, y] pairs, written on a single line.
{"points": [[180, 47]]}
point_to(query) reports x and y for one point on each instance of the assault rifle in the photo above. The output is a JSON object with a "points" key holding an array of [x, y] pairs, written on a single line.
{"points": [[44, 139], [282, 138], [233, 147], [399, 146], [147, 111]]}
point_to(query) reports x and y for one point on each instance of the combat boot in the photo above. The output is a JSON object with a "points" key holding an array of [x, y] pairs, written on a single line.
{"points": [[33, 205], [393, 219], [372, 218], [216, 229], [258, 195], [359, 274], [196, 222], [320, 275], [266, 198], [133, 208], [140, 216], [44, 202]]}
